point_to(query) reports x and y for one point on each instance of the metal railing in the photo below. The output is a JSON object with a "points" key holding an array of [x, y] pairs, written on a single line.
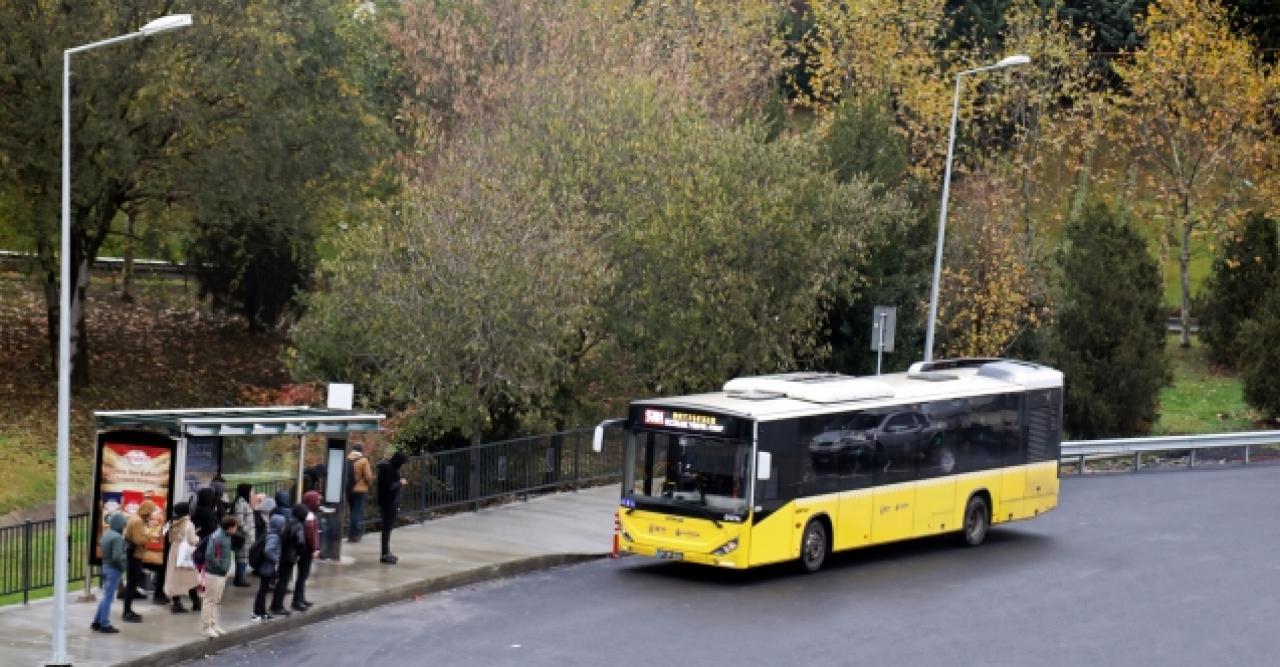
{"points": [[27, 553], [1234, 448], [472, 477]]}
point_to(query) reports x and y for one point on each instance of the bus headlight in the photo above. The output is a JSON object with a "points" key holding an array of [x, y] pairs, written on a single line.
{"points": [[726, 548]]}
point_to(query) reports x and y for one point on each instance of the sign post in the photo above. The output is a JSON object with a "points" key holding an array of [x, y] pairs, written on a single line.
{"points": [[884, 320]]}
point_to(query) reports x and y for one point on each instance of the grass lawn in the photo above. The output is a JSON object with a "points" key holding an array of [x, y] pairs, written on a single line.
{"points": [[1202, 399]]}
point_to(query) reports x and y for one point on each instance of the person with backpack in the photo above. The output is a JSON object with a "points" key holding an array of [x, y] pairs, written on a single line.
{"points": [[359, 481], [247, 530], [265, 559], [181, 578], [389, 484], [217, 563], [293, 542], [306, 513], [115, 558]]}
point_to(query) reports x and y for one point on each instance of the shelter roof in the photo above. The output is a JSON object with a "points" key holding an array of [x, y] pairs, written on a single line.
{"points": [[265, 421]]}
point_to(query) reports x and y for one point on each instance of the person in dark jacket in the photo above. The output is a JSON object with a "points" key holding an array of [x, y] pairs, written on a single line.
{"points": [[304, 513], [292, 542], [389, 484], [204, 514], [271, 553], [114, 561], [284, 505]]}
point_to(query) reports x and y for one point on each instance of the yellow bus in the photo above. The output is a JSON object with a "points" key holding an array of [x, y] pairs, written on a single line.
{"points": [[793, 467]]}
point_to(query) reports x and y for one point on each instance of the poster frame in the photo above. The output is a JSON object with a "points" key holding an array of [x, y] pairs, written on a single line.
{"points": [[131, 437]]}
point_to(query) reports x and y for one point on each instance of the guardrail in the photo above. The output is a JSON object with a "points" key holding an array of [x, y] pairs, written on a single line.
{"points": [[107, 264], [27, 553], [1078, 452]]}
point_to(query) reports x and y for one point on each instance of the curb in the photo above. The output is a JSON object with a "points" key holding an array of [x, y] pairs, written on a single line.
{"points": [[201, 647]]}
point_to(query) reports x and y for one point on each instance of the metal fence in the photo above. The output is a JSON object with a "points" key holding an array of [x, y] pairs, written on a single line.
{"points": [[1135, 454], [472, 477], [27, 555]]}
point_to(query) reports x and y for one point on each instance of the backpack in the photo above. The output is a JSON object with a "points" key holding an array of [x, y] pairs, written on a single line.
{"points": [[351, 477], [258, 553], [198, 557]]}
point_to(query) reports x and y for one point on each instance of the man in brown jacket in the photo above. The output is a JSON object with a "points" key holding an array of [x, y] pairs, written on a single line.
{"points": [[358, 486], [135, 537]]}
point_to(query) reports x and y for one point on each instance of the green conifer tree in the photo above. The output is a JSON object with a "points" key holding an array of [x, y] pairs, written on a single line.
{"points": [[1243, 274], [1108, 336], [1259, 345]]}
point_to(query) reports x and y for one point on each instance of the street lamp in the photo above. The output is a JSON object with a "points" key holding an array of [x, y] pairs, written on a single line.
{"points": [[1011, 61], [160, 25]]}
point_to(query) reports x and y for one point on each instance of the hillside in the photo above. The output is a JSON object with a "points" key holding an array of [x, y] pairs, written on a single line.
{"points": [[163, 350]]}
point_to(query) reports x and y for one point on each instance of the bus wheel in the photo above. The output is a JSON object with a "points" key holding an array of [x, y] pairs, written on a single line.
{"points": [[977, 519], [813, 547]]}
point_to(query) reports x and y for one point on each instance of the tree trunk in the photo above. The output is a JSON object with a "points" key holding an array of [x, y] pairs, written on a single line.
{"points": [[1184, 277], [79, 330], [126, 280]]}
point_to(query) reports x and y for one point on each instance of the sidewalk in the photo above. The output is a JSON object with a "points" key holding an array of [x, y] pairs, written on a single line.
{"points": [[440, 554]]}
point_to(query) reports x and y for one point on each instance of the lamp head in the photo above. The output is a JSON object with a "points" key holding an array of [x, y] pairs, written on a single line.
{"points": [[1014, 61], [165, 24]]}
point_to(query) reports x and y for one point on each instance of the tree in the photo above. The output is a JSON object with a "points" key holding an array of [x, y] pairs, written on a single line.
{"points": [[1244, 274], [1195, 116], [1260, 356], [170, 128], [1108, 333], [1112, 22], [989, 296], [862, 142]]}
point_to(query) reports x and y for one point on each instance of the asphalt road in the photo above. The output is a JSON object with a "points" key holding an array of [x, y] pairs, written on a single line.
{"points": [[1171, 569]]}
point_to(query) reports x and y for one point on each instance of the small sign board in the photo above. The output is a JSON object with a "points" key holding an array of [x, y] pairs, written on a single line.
{"points": [[886, 318]]}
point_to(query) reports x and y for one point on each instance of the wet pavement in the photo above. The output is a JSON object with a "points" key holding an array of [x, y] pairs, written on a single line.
{"points": [[436, 555]]}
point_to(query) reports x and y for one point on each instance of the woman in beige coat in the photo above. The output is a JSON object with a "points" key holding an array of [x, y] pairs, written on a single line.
{"points": [[181, 581]]}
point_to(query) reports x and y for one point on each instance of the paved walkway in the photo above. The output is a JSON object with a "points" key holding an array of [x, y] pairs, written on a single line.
{"points": [[440, 554]]}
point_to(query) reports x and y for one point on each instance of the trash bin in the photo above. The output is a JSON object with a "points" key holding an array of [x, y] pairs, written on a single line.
{"points": [[330, 534]]}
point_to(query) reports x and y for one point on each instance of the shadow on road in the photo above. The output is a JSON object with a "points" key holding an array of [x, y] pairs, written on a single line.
{"points": [[1004, 547]]}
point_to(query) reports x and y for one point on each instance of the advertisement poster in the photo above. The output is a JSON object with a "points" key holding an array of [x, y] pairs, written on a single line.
{"points": [[133, 468], [203, 462]]}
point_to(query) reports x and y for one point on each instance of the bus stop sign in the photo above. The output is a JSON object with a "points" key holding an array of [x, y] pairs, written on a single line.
{"points": [[884, 320]]}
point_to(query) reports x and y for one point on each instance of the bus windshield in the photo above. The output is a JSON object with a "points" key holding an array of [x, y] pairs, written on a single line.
{"points": [[708, 475]]}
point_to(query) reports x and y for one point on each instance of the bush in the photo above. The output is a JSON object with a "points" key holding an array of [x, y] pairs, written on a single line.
{"points": [[1108, 336], [1244, 273], [1259, 346]]}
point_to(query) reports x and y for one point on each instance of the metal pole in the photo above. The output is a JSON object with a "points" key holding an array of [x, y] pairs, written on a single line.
{"points": [[880, 342], [62, 498], [942, 227], [26, 561]]}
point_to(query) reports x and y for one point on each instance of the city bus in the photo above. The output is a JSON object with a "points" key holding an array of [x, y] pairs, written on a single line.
{"points": [[793, 467]]}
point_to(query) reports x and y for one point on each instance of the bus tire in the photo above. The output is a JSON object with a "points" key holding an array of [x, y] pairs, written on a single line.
{"points": [[977, 521], [814, 546]]}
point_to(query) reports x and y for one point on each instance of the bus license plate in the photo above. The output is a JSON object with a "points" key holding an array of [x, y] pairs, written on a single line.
{"points": [[670, 555]]}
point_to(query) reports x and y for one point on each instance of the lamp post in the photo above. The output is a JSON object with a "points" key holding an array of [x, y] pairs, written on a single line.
{"points": [[61, 528], [1011, 61]]}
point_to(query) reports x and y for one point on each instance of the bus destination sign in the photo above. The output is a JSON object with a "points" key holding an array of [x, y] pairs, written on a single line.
{"points": [[689, 421]]}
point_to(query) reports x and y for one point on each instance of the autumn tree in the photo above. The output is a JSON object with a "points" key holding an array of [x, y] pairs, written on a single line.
{"points": [[1244, 274], [599, 227], [1194, 115], [248, 116], [1108, 334]]}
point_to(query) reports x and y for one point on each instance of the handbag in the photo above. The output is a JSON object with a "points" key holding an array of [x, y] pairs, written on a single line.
{"points": [[185, 551]]}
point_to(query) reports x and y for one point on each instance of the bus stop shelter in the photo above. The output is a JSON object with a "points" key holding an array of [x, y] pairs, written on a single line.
{"points": [[167, 456]]}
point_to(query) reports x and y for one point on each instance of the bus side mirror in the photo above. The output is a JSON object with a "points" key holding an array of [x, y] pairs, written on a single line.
{"points": [[597, 438], [764, 464]]}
